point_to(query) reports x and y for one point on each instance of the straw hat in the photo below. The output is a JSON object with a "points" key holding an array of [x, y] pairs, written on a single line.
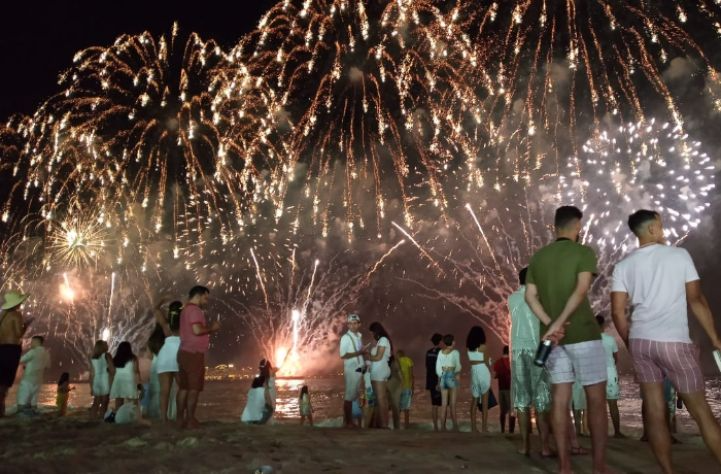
{"points": [[13, 299]]}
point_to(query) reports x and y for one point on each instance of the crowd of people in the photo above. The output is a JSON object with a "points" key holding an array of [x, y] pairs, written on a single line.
{"points": [[551, 306]]}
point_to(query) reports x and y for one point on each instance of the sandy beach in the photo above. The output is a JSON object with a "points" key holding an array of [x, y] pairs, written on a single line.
{"points": [[47, 444]]}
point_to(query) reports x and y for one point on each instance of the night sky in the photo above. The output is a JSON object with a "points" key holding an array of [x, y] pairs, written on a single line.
{"points": [[38, 41]]}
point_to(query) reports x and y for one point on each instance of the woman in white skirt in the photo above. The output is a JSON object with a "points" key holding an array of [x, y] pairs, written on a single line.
{"points": [[125, 383], [167, 358], [480, 376], [101, 377]]}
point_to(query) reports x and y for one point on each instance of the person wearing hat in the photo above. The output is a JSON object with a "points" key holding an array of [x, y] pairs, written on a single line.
{"points": [[351, 351], [12, 328]]}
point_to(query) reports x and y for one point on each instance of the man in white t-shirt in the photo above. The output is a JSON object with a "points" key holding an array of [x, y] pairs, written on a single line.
{"points": [[659, 282], [351, 351]]}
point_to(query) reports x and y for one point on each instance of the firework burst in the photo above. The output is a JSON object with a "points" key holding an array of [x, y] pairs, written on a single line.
{"points": [[366, 99]]}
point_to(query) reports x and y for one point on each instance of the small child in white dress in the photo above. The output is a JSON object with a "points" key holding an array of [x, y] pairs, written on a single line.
{"points": [[306, 408]]}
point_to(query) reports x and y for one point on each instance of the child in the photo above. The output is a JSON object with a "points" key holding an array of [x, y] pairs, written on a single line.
{"points": [[306, 409], [368, 398], [35, 361], [64, 389], [101, 376]]}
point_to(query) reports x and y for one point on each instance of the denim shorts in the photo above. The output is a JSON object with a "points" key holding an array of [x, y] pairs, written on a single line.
{"points": [[448, 380]]}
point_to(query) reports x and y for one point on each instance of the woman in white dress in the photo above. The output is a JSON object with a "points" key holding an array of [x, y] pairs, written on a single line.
{"points": [[101, 377], [125, 383], [167, 359], [480, 376], [268, 371], [380, 358], [258, 408]]}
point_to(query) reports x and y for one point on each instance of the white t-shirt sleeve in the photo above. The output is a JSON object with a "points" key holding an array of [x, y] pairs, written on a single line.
{"points": [[618, 281], [457, 357], [384, 342], [346, 345], [27, 357], [439, 364], [689, 269]]}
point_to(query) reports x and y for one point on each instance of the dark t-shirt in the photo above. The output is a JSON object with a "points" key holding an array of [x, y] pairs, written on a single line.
{"points": [[554, 270], [502, 368], [431, 376]]}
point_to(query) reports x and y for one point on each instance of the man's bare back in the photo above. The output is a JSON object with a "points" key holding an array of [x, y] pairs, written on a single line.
{"points": [[11, 327]]}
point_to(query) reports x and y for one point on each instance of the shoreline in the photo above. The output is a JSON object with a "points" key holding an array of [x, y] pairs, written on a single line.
{"points": [[47, 443]]}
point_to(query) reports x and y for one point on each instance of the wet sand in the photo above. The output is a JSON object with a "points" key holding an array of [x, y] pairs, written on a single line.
{"points": [[47, 444]]}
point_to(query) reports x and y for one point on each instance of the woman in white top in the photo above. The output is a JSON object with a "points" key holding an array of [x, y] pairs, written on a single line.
{"points": [[257, 409], [167, 359], [448, 369], [480, 376], [380, 357], [101, 377], [269, 372], [125, 383]]}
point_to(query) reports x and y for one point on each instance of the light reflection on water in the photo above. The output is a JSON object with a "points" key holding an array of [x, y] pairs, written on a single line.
{"points": [[224, 400]]}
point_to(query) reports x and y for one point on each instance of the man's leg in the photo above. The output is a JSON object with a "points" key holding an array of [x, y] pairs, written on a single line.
{"points": [[544, 431], [560, 421], [615, 418], [192, 405], [701, 412], [598, 421], [434, 414], [655, 424]]}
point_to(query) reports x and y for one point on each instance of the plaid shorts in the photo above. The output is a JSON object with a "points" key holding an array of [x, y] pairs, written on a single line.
{"points": [[583, 362], [678, 360]]}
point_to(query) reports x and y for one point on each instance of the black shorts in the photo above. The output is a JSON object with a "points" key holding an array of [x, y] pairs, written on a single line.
{"points": [[9, 361], [436, 399]]}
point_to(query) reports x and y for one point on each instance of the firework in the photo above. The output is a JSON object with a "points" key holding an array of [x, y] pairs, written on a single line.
{"points": [[563, 67], [366, 99], [632, 166]]}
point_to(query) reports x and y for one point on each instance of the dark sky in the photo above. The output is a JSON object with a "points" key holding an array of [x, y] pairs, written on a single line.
{"points": [[39, 38]]}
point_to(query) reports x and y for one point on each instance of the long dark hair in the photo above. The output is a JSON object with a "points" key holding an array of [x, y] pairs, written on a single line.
{"points": [[101, 347], [123, 354], [258, 382], [378, 332], [476, 338], [303, 391], [174, 310], [64, 378]]}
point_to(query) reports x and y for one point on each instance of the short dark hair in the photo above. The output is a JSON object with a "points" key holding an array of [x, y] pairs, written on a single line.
{"points": [[198, 290], [505, 350], [637, 220], [448, 339], [39, 338], [600, 320], [565, 215], [436, 339], [522, 276]]}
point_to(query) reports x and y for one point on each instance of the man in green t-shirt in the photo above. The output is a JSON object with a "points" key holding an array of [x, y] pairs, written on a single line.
{"points": [[559, 278]]}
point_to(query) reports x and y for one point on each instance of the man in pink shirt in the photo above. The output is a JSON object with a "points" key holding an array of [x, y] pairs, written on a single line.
{"points": [[194, 343]]}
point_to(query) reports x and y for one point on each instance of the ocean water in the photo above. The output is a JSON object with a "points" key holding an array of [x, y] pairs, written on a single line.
{"points": [[224, 401]]}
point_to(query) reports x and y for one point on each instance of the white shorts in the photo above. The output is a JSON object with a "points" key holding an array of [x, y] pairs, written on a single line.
{"points": [[578, 397], [584, 362], [28, 392], [352, 385]]}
